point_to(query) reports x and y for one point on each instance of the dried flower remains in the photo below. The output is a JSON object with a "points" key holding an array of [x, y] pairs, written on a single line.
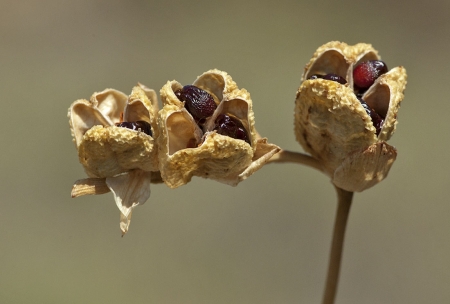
{"points": [[114, 136]]}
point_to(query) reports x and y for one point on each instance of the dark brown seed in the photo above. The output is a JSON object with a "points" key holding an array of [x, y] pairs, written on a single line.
{"points": [[198, 102], [139, 125], [377, 120], [232, 127], [335, 77]]}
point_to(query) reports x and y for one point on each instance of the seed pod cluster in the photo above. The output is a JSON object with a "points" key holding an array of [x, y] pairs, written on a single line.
{"points": [[204, 129]]}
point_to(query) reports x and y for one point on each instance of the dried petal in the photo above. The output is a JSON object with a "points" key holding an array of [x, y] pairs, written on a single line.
{"points": [[110, 103], [89, 186], [104, 108], [130, 190], [385, 97], [83, 116], [376, 160]]}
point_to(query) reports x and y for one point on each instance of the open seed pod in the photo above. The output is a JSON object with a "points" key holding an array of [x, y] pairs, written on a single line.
{"points": [[343, 126], [114, 135], [221, 144]]}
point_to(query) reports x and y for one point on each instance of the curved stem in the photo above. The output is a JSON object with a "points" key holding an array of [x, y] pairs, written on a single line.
{"points": [[285, 156], [343, 210]]}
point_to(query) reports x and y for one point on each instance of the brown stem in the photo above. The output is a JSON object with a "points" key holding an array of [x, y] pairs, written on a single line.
{"points": [[343, 210], [285, 156]]}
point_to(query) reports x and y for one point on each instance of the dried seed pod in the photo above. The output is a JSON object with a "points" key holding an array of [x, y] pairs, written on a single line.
{"points": [[188, 149], [116, 158], [105, 149], [332, 125]]}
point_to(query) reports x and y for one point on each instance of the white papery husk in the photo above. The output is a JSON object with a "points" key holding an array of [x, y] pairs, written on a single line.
{"points": [[215, 156], [116, 159], [332, 125]]}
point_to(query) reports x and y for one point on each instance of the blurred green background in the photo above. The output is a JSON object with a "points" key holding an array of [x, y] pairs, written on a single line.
{"points": [[264, 241]]}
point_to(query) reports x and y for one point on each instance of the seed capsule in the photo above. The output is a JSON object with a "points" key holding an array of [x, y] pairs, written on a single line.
{"points": [[346, 127], [225, 147]]}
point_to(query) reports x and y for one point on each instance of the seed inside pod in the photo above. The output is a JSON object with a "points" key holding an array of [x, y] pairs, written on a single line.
{"points": [[335, 77], [199, 103], [231, 126], [139, 125], [330, 76], [377, 120], [365, 73]]}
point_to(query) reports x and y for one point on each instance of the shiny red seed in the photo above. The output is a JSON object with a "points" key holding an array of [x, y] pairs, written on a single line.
{"points": [[365, 73]]}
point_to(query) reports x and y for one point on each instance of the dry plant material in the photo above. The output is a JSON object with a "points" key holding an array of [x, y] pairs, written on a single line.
{"points": [[207, 130], [114, 136], [345, 111]]}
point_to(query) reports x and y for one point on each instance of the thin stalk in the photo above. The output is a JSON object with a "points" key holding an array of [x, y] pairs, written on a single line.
{"points": [[285, 156], [343, 209]]}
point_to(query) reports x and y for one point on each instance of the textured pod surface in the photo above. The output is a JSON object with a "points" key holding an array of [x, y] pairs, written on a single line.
{"points": [[188, 149], [106, 150], [332, 125], [376, 160]]}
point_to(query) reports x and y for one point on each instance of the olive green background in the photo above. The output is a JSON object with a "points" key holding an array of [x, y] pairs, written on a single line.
{"points": [[264, 241]]}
